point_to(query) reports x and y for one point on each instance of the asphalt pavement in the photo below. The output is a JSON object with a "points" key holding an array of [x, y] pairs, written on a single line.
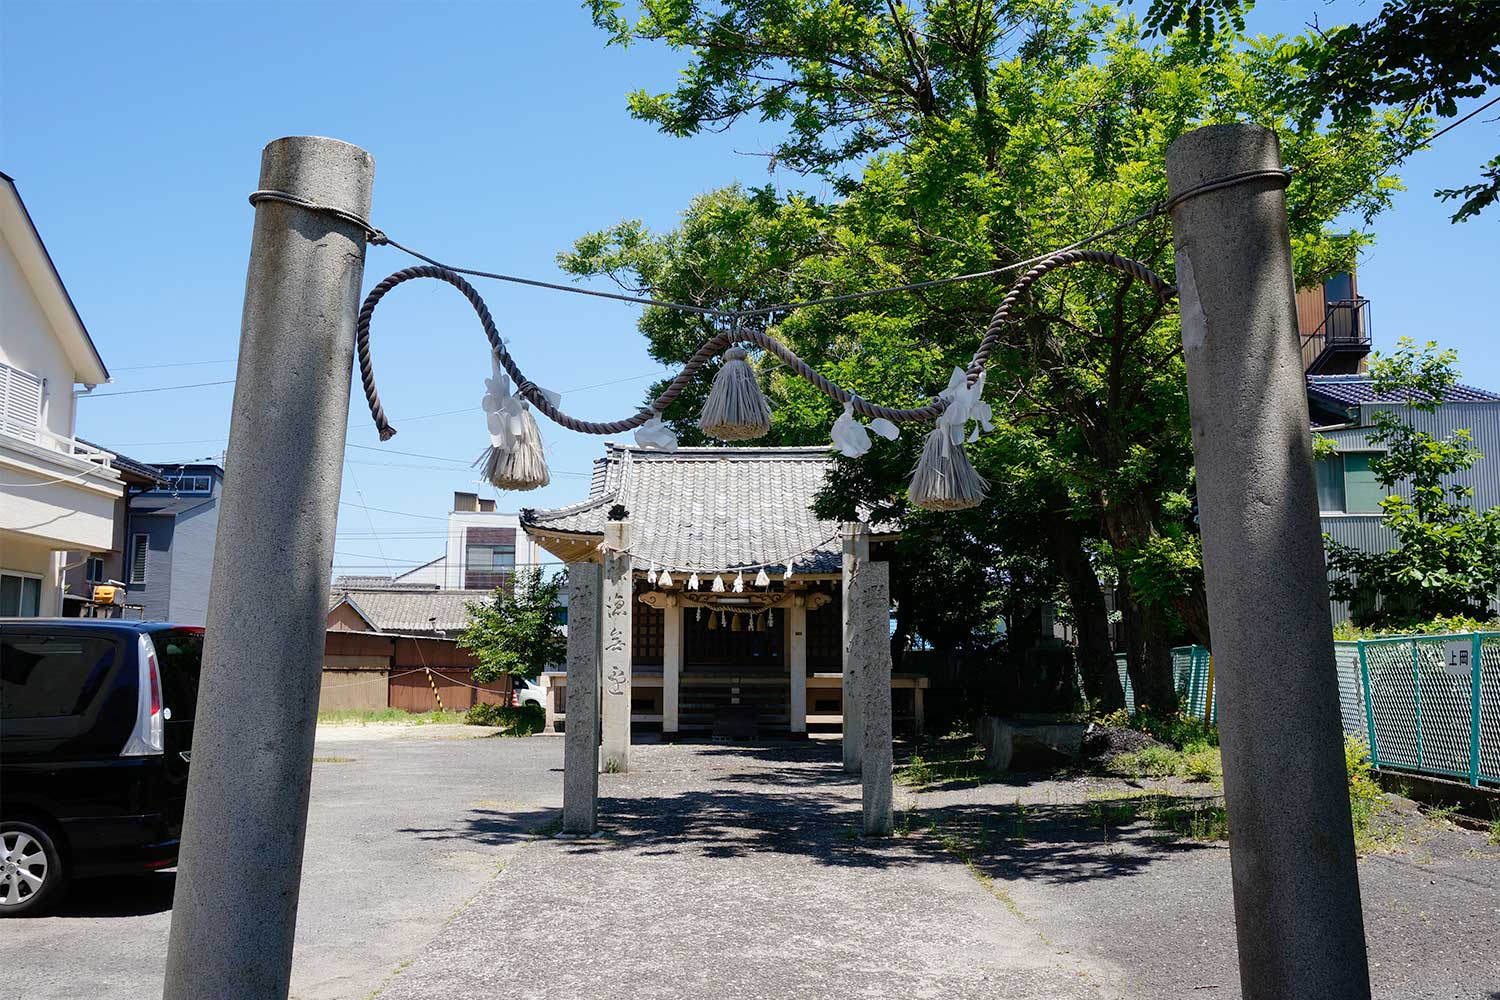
{"points": [[405, 825]]}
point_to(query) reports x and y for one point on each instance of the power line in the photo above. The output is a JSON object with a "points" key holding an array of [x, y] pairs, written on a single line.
{"points": [[176, 364], [160, 388], [1457, 122], [384, 510]]}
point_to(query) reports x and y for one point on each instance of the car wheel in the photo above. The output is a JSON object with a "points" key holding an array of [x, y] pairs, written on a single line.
{"points": [[31, 869]]}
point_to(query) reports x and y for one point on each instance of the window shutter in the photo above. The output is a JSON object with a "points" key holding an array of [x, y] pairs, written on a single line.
{"points": [[138, 560], [1363, 491], [20, 403]]}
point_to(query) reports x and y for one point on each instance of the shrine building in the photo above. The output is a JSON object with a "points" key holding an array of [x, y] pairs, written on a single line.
{"points": [[737, 623]]}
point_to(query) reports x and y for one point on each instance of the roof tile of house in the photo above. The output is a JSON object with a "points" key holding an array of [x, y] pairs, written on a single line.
{"points": [[410, 611], [1351, 390], [709, 509]]}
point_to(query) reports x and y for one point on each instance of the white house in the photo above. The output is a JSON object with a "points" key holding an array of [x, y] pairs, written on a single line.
{"points": [[56, 493]]}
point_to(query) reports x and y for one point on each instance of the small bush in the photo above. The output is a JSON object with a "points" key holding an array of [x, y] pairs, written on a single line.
{"points": [[1202, 765], [1365, 798], [1152, 762], [512, 721]]}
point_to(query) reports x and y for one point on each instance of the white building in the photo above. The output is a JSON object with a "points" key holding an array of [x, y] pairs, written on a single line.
{"points": [[56, 493], [485, 547]]}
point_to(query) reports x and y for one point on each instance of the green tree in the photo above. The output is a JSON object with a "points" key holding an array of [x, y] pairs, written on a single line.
{"points": [[1421, 56], [961, 135], [516, 632], [1446, 561]]}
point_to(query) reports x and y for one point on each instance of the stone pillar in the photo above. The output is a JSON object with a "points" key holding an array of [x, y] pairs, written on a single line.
{"points": [[870, 655], [856, 552], [1291, 844], [234, 914], [581, 735], [671, 664], [796, 627], [619, 596]]}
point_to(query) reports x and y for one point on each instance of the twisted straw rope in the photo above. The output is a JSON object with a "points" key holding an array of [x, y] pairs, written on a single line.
{"points": [[713, 345]]}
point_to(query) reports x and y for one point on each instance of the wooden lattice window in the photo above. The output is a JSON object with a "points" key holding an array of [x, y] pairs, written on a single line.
{"points": [[825, 637], [647, 627]]}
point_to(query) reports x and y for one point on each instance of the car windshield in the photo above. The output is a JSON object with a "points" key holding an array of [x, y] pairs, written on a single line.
{"points": [[180, 654]]}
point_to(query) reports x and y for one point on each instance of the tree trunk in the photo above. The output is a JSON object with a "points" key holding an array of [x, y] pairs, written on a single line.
{"points": [[1096, 656], [1148, 656], [1128, 525]]}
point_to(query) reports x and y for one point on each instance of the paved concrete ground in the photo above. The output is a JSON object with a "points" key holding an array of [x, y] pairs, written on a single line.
{"points": [[737, 872], [731, 871], [1157, 913], [728, 871], [406, 824]]}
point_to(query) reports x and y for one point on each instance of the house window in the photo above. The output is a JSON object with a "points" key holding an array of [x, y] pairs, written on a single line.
{"points": [[20, 402], [138, 550], [1347, 484], [20, 595], [488, 565], [188, 483], [94, 570]]}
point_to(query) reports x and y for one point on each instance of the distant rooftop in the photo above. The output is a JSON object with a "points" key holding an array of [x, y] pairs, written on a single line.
{"points": [[1351, 390]]}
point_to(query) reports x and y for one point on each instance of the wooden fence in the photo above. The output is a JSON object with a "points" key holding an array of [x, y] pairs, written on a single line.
{"points": [[372, 670]]}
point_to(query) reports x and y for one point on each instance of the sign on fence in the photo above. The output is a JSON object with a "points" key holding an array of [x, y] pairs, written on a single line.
{"points": [[1456, 657]]}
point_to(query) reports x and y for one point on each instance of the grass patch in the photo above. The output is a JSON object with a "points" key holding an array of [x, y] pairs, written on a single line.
{"points": [[955, 761], [387, 717], [1199, 762], [333, 760], [1494, 831]]}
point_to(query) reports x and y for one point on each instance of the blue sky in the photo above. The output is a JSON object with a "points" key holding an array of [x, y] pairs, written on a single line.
{"points": [[500, 134]]}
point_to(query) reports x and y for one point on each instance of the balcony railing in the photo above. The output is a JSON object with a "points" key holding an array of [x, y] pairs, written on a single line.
{"points": [[71, 447], [1344, 333]]}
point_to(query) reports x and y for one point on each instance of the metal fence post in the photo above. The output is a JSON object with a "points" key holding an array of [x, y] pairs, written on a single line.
{"points": [[1416, 690], [1364, 677], [1476, 655]]}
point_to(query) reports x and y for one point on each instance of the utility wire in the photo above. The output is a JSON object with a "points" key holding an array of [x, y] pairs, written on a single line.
{"points": [[160, 388]]}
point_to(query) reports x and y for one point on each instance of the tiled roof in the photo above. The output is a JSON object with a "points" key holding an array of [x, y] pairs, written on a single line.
{"points": [[356, 582], [709, 509], [1351, 390], [409, 611]]}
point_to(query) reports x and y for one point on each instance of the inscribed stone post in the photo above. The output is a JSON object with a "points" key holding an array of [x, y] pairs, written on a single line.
{"points": [[870, 654], [581, 737], [614, 662], [856, 537]]}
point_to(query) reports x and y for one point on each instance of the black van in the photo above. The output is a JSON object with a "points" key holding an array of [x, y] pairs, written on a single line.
{"points": [[96, 731]]}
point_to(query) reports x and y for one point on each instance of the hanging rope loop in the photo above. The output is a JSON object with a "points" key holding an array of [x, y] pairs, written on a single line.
{"points": [[735, 334]]}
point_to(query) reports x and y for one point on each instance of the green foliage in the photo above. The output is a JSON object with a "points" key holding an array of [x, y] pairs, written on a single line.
{"points": [[1420, 56], [1447, 556], [1347, 631], [524, 720], [961, 135], [1201, 763], [516, 631], [1176, 729], [1366, 801]]}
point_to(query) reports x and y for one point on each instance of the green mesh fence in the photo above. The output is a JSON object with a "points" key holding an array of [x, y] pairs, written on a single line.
{"points": [[1418, 704], [1431, 703]]}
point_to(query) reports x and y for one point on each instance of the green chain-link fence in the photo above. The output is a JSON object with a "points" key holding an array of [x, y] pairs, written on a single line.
{"points": [[1426, 703]]}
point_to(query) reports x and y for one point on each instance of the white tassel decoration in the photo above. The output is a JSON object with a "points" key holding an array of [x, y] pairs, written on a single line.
{"points": [[665, 579], [788, 574], [761, 580], [736, 409], [849, 435], [514, 460], [885, 428], [718, 587], [693, 582], [651, 576], [653, 435], [944, 479], [739, 583]]}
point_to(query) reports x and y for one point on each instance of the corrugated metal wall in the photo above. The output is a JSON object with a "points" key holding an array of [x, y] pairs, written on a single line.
{"points": [[1366, 531]]}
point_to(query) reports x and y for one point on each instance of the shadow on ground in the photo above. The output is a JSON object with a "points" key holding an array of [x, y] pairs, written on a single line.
{"points": [[794, 798], [119, 896]]}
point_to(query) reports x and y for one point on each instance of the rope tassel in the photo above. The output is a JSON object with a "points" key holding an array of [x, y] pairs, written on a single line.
{"points": [[943, 478], [514, 460], [736, 409]]}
